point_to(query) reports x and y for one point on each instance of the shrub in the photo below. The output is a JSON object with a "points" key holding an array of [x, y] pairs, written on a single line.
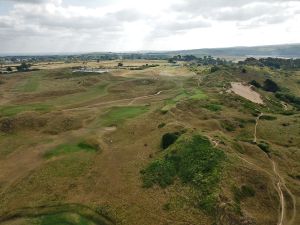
{"points": [[214, 69], [168, 139], [213, 107], [267, 117], [255, 84], [228, 125], [270, 86], [161, 125], [264, 146], [245, 191]]}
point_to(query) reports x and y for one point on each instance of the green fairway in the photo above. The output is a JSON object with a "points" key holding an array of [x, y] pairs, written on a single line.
{"points": [[117, 115]]}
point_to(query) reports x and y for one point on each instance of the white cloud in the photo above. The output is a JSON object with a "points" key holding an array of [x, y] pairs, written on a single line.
{"points": [[59, 25]]}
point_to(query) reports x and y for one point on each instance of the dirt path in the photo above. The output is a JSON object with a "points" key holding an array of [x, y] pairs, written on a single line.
{"points": [[131, 101], [280, 185], [255, 128], [136, 98]]}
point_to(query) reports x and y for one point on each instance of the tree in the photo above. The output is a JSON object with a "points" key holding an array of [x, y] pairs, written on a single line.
{"points": [[270, 86], [255, 84], [23, 67], [9, 69], [120, 64]]}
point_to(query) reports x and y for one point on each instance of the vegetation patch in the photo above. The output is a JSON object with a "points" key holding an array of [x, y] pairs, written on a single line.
{"points": [[64, 149], [196, 163], [245, 191], [213, 107], [117, 115], [16, 109], [192, 95], [289, 98], [268, 117]]}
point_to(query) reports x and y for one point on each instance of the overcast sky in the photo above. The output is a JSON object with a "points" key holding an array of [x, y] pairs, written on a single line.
{"points": [[37, 26]]}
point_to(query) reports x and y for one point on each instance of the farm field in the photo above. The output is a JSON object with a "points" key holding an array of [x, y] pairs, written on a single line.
{"points": [[151, 145]]}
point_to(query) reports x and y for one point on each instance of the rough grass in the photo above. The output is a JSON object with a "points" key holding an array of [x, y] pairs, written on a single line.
{"points": [[195, 162], [64, 149], [117, 115], [90, 94]]}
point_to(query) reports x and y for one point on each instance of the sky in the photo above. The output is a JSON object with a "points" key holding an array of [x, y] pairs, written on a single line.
{"points": [[48, 26]]}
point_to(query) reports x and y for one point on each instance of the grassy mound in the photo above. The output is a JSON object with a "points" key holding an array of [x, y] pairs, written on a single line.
{"points": [[195, 162]]}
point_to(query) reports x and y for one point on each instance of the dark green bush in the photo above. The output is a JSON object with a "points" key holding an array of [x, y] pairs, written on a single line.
{"points": [[168, 139], [268, 117], [213, 107], [270, 86], [255, 84], [264, 146]]}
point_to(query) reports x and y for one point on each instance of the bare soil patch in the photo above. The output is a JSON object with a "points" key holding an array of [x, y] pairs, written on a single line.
{"points": [[246, 92]]}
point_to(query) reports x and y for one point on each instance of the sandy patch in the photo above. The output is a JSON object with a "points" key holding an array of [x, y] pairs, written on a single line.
{"points": [[245, 91]]}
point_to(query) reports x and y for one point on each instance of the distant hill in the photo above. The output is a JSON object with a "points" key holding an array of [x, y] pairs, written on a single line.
{"points": [[285, 51]]}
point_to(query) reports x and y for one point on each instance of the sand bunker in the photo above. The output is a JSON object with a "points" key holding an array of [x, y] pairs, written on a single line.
{"points": [[246, 92]]}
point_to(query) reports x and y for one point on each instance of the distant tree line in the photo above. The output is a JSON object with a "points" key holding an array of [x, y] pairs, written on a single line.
{"points": [[205, 60], [276, 63]]}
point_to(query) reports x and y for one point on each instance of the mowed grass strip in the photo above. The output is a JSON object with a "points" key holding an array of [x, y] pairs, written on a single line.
{"points": [[31, 84], [64, 218], [117, 115], [195, 94], [65, 149], [12, 110]]}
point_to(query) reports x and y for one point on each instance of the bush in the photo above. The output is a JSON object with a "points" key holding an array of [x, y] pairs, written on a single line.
{"points": [[168, 139], [161, 125], [228, 125], [264, 146], [214, 69], [270, 86], [267, 117], [245, 191], [213, 107], [255, 84]]}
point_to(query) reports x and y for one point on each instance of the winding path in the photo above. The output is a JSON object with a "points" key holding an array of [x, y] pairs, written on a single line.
{"points": [[280, 185]]}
